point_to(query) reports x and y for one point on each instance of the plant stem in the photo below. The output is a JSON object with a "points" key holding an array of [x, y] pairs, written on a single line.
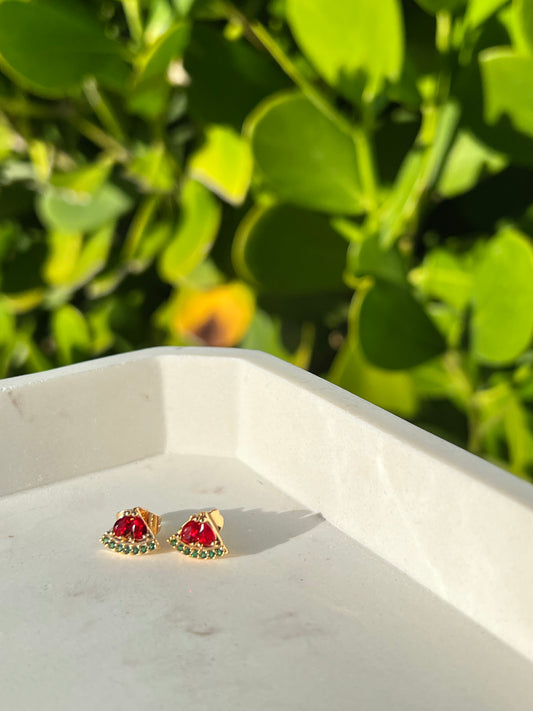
{"points": [[27, 109], [360, 133], [132, 11], [265, 39], [100, 138], [366, 165], [138, 225], [422, 165], [103, 109]]}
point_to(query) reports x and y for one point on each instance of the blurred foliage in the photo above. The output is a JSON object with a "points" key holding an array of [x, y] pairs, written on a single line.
{"points": [[346, 185]]}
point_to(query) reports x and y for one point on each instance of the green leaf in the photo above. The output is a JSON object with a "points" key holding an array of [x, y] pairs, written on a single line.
{"points": [[285, 250], [394, 391], [153, 239], [195, 234], [416, 176], [10, 233], [99, 321], [51, 46], [60, 213], [445, 276], [153, 63], [7, 336], [369, 258], [507, 94], [83, 181], [159, 20], [64, 250], [394, 330], [519, 438], [228, 78], [468, 161], [150, 95], [71, 334], [502, 416], [478, 11], [7, 140], [223, 164], [94, 255], [303, 157], [524, 19], [264, 335], [340, 40], [444, 378], [502, 323], [435, 6], [153, 169]]}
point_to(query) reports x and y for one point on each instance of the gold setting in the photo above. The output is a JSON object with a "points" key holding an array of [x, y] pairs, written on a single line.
{"points": [[196, 550], [127, 544]]}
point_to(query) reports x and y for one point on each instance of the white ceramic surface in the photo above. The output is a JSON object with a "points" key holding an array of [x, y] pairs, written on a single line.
{"points": [[422, 599]]}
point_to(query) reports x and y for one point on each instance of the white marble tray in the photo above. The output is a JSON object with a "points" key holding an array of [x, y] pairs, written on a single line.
{"points": [[373, 566]]}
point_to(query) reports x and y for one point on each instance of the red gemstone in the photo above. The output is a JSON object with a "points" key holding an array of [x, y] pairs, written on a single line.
{"points": [[138, 528], [130, 526], [197, 532], [122, 526], [206, 535], [189, 532]]}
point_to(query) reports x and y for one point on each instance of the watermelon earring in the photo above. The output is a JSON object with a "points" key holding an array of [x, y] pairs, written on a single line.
{"points": [[134, 532], [200, 536]]}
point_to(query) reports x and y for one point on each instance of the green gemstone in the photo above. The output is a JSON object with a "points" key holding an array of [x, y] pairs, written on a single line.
{"points": [[134, 550], [119, 547], [152, 546], [194, 554], [126, 549], [203, 554], [105, 540], [220, 551], [180, 546], [211, 554], [143, 548], [111, 544], [186, 550], [173, 541]]}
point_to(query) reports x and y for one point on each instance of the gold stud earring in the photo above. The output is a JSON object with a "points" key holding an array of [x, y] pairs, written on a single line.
{"points": [[133, 532], [199, 537]]}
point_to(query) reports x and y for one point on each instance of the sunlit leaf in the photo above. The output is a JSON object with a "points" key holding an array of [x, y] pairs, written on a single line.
{"points": [[435, 6], [478, 11], [153, 169], [84, 181], [196, 231], [67, 214], [303, 157], [445, 276], [71, 334], [524, 19], [223, 164], [507, 94], [468, 161], [502, 323], [64, 250], [340, 39]]}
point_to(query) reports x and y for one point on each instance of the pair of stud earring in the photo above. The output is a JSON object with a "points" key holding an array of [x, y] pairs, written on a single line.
{"points": [[135, 530]]}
